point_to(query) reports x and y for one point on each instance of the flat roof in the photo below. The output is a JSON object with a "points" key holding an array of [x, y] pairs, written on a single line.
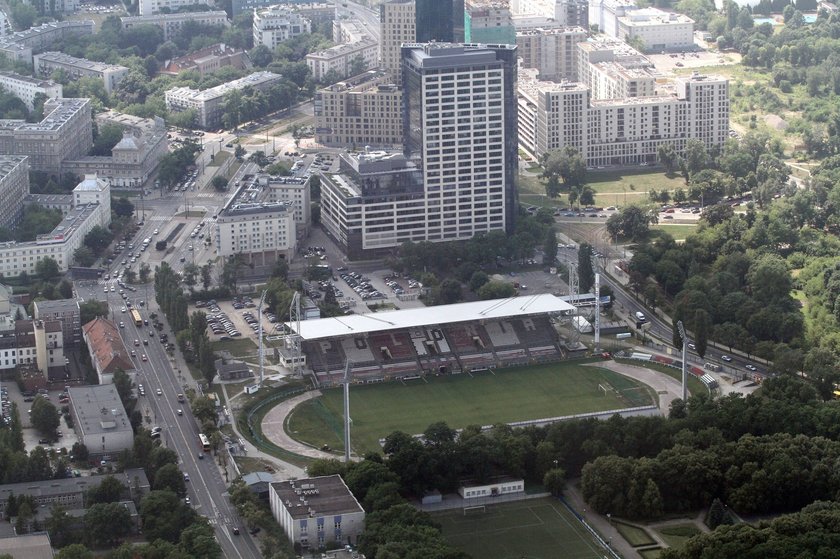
{"points": [[323, 496], [357, 324]]}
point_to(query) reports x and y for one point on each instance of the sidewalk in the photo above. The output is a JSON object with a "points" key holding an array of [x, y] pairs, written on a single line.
{"points": [[599, 523]]}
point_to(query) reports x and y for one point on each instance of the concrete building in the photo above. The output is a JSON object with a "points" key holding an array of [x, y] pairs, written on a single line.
{"points": [[149, 7], [365, 110], [397, 25], [341, 60], [468, 169], [317, 510], [489, 22], [494, 488], [295, 193], [36, 344], [552, 51], [348, 31], [134, 159], [60, 202], [30, 546], [172, 23], [612, 69], [65, 311], [48, 62], [207, 60], [318, 13], [565, 13], [656, 30], [27, 89], [232, 370], [14, 186], [279, 23], [100, 420], [605, 14], [107, 350], [21, 45], [208, 103], [622, 131], [263, 232]]}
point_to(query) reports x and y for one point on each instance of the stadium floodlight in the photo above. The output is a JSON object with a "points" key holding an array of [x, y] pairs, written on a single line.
{"points": [[260, 335], [346, 383], [681, 329]]}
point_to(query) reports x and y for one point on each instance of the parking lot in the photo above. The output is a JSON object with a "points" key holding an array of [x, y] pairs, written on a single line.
{"points": [[10, 393]]}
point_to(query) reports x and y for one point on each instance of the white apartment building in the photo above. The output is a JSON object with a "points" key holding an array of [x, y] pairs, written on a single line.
{"points": [[657, 30], [19, 46], [567, 13], [208, 103], [262, 231], [27, 89], [397, 24], [38, 343], [365, 110], [348, 31], [276, 24], [340, 59], [612, 69], [624, 131], [294, 192], [551, 50], [14, 186], [605, 14], [110, 74], [172, 23], [149, 7]]}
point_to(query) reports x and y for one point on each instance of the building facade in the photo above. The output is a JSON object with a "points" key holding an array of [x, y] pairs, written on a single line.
{"points": [[565, 13], [317, 510], [551, 50], [48, 62], [21, 45], [100, 420], [65, 311], [27, 89], [440, 21], [397, 25], [172, 23], [278, 23], [34, 344], [656, 30], [295, 193], [14, 186], [489, 22], [149, 7], [208, 103], [208, 60], [343, 60]]}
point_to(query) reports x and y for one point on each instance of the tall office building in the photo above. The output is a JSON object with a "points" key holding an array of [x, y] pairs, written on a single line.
{"points": [[397, 25], [440, 20], [460, 128]]}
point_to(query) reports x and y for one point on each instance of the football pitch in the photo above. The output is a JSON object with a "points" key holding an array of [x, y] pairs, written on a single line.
{"points": [[500, 396], [531, 529]]}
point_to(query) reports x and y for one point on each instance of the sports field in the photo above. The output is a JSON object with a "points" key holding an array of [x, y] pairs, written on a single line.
{"points": [[532, 529], [501, 396]]}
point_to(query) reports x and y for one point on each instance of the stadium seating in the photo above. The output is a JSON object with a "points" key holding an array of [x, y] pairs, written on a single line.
{"points": [[501, 333], [391, 346], [357, 350], [534, 331], [324, 355]]}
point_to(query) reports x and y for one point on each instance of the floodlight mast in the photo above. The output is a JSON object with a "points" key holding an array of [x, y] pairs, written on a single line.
{"points": [[346, 383], [681, 329], [597, 303], [259, 320]]}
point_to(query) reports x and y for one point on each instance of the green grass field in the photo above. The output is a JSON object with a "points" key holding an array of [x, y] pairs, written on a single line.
{"points": [[507, 395], [678, 232], [533, 529]]}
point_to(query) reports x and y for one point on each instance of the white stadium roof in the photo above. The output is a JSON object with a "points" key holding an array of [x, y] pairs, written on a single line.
{"points": [[428, 316]]}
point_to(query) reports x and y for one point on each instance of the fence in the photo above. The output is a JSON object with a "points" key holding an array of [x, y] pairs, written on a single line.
{"points": [[254, 432], [590, 529]]}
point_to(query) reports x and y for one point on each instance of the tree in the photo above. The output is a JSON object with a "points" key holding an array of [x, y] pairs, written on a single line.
{"points": [[696, 157], [260, 56], [106, 522], [198, 540], [702, 329], [206, 275], [220, 183], [45, 417], [74, 551], [122, 207], [58, 525], [164, 516], [204, 409], [477, 280], [145, 272], [496, 290], [170, 478], [555, 481], [109, 490], [239, 152], [668, 157], [563, 168], [47, 269], [449, 291], [83, 256], [91, 308], [586, 275], [107, 137], [631, 223], [550, 247]]}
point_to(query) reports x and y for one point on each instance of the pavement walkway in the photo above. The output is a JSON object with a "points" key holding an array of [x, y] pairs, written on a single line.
{"points": [[668, 389], [273, 427]]}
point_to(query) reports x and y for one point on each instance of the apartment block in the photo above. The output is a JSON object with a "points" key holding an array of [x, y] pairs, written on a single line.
{"points": [[348, 31], [21, 45], [209, 103], [65, 133], [208, 60], [612, 69], [566, 13], [341, 60], [279, 23], [657, 30], [65, 311], [397, 24], [172, 23], [294, 192], [552, 51], [256, 228], [48, 62], [34, 345], [489, 22], [364, 110], [149, 7], [14, 186], [27, 89]]}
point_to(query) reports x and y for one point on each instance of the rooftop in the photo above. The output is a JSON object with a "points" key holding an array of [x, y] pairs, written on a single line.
{"points": [[84, 63], [27, 546], [105, 343], [9, 163], [174, 17], [316, 496], [372, 80], [91, 183], [27, 79], [74, 218], [59, 306], [443, 314], [64, 486], [541, 31], [257, 78], [249, 199], [653, 16], [57, 113], [343, 49], [98, 409]]}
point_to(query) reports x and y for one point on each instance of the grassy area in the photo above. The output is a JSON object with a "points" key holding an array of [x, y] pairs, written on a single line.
{"points": [[694, 384], [220, 158], [248, 465], [678, 232], [632, 183], [515, 394], [242, 347], [676, 535], [536, 529], [634, 535], [653, 553]]}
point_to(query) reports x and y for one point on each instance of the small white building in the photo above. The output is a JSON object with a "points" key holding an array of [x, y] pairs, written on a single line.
{"points": [[276, 24], [26, 88], [317, 510], [100, 420], [494, 488], [657, 30]]}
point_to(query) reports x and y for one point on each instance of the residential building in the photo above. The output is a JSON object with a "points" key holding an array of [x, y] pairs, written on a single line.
{"points": [[208, 103], [21, 45], [605, 14], [656, 31], [551, 50], [279, 23], [343, 60], [348, 31], [55, 6], [262, 232], [100, 420], [149, 7], [30, 546], [317, 510], [295, 193], [107, 350], [134, 159], [208, 60], [489, 22], [566, 13], [365, 110], [71, 492], [397, 25], [468, 170], [48, 62], [91, 191], [318, 13], [28, 89], [60, 202], [65, 311], [14, 186], [612, 69], [66, 132], [38, 344], [172, 23]]}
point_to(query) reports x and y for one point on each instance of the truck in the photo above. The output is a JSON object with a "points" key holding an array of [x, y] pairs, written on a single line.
{"points": [[582, 325]]}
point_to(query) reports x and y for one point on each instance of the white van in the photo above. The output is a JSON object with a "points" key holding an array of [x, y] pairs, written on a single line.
{"points": [[640, 316]]}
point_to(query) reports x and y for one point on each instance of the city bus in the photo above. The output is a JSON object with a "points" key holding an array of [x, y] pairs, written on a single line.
{"points": [[204, 442], [135, 316]]}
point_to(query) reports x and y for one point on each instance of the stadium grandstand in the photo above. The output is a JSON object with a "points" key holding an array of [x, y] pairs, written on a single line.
{"points": [[446, 339]]}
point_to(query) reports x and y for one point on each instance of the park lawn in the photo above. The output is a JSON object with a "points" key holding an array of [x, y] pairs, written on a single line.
{"points": [[220, 158], [677, 231], [634, 535], [502, 396], [653, 553], [676, 536], [536, 529], [242, 347], [634, 182]]}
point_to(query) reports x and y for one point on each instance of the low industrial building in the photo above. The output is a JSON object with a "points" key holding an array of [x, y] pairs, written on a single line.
{"points": [[28, 89], [259, 484], [494, 488], [317, 510], [28, 546], [655, 30], [208, 60], [48, 62], [171, 24], [67, 312], [100, 420]]}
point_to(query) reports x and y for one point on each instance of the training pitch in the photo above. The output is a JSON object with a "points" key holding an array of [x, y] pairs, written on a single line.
{"points": [[532, 529], [500, 396]]}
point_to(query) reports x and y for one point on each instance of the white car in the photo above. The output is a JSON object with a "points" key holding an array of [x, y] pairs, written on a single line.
{"points": [[751, 367], [159, 392], [122, 324], [122, 309], [113, 289]]}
